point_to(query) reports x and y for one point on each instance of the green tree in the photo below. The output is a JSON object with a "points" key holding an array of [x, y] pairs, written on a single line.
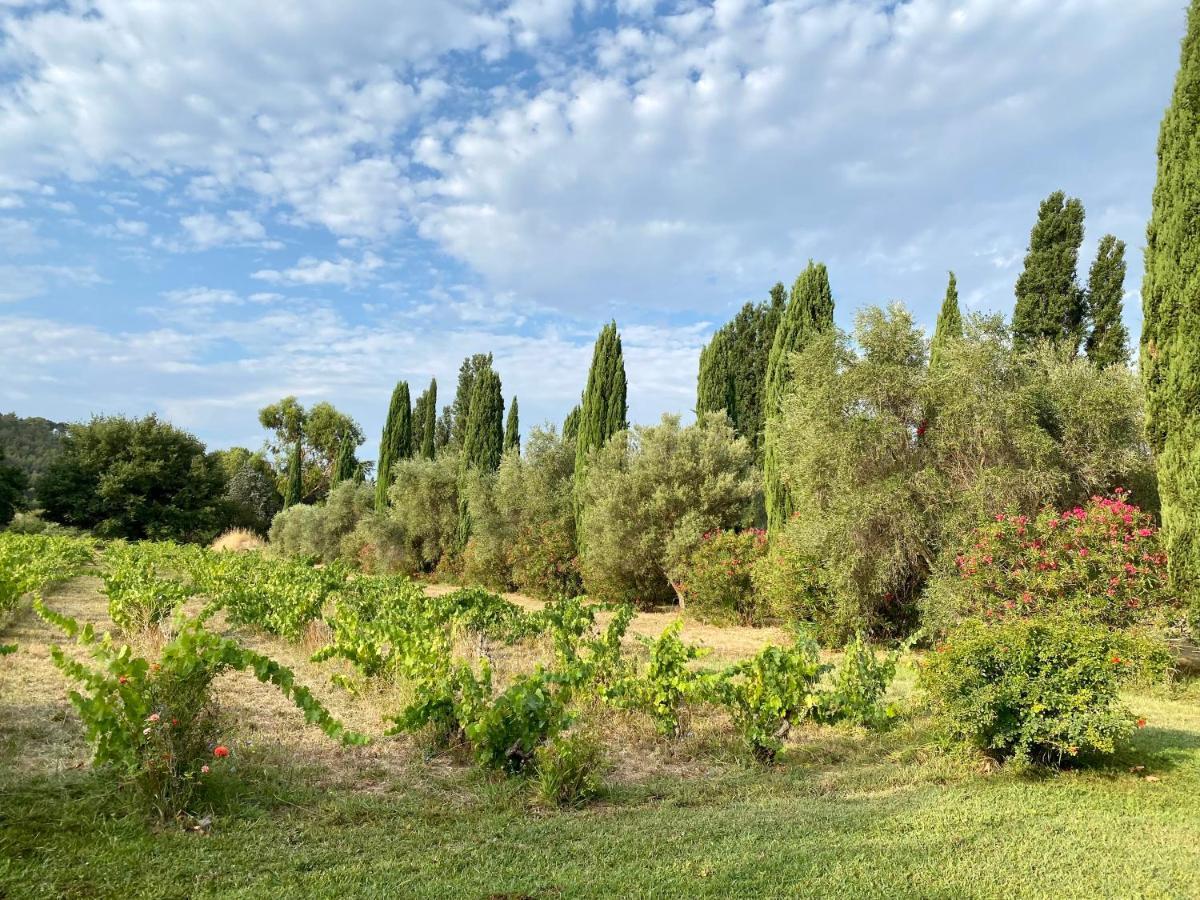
{"points": [[949, 324], [1050, 303], [346, 464], [512, 428], [424, 424], [733, 367], [809, 312], [571, 424], [317, 431], [294, 492], [458, 414], [483, 437], [136, 479], [604, 407], [251, 490], [30, 444], [1170, 344], [12, 490], [396, 442], [1108, 341]]}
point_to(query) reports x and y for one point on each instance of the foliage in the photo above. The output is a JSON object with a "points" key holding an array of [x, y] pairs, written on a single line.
{"points": [[650, 494], [570, 769], [323, 531], [252, 495], [140, 594], [1038, 690], [424, 422], [458, 413], [29, 563], [30, 443], [714, 582], [13, 483], [793, 586], [667, 685], [313, 436], [733, 367], [534, 496], [154, 724], [949, 325], [487, 556], [396, 443], [889, 462], [857, 686], [483, 437], [1101, 563], [604, 407], [770, 692], [345, 467], [512, 427], [1050, 303], [1108, 340], [134, 479], [809, 312], [507, 730], [425, 506], [1170, 348]]}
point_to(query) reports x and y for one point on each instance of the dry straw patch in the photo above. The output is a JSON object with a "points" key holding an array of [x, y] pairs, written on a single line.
{"points": [[238, 540]]}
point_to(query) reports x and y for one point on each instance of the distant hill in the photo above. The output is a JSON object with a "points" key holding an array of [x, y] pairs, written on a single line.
{"points": [[30, 443]]}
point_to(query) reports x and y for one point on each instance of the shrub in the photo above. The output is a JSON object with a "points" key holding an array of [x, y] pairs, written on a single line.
{"points": [[715, 584], [570, 769], [139, 596], [424, 502], [486, 556], [667, 685], [770, 692], [650, 485], [1038, 690], [506, 730], [30, 563], [154, 724], [1100, 563], [857, 687], [32, 522], [319, 531], [792, 586], [136, 479]]}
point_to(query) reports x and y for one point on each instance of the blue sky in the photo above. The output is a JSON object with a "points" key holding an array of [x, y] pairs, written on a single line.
{"points": [[208, 204]]}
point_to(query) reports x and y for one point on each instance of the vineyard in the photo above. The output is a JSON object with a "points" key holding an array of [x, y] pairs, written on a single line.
{"points": [[153, 682]]}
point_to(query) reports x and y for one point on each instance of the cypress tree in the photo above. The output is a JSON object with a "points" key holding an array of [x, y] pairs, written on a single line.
{"points": [[715, 382], [1170, 344], [483, 436], [604, 407], [1108, 341], [460, 410], [395, 444], [345, 465], [808, 313], [571, 424], [512, 428], [424, 422], [295, 477], [1050, 303], [949, 324]]}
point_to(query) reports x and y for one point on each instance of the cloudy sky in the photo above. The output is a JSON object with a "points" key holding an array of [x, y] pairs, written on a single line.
{"points": [[208, 204]]}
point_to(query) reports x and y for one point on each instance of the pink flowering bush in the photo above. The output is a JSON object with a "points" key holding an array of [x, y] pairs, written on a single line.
{"points": [[1100, 563], [715, 585]]}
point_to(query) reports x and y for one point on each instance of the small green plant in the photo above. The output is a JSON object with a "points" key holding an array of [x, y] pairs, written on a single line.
{"points": [[570, 769], [506, 731], [1038, 691], [770, 692], [31, 562], [667, 685], [139, 596], [857, 687], [714, 584], [153, 724]]}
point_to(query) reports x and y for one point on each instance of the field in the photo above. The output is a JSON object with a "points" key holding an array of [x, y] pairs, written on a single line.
{"points": [[844, 812]]}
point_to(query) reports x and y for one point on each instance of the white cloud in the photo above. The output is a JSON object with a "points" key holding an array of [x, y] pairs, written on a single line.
{"points": [[236, 226], [343, 271], [21, 282]]}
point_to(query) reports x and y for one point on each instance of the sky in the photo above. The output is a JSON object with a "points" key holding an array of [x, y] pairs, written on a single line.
{"points": [[206, 205]]}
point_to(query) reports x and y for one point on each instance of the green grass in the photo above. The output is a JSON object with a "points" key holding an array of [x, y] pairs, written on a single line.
{"points": [[886, 817]]}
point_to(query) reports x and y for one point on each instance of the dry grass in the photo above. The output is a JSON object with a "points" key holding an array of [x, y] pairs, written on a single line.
{"points": [[238, 540]]}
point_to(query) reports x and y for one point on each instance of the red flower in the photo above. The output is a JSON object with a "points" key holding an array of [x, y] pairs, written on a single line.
{"points": [[220, 751], [1141, 723], [122, 680], [1116, 659]]}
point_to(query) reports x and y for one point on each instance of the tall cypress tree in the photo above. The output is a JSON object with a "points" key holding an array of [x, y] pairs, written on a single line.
{"points": [[512, 428], [294, 491], [429, 421], [1170, 345], [809, 312], [1050, 303], [460, 409], [345, 465], [1108, 340], [395, 444], [483, 436], [604, 408], [571, 424], [949, 324], [715, 382]]}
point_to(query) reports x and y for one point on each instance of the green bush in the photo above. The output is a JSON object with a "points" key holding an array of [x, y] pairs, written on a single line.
{"points": [[649, 495], [487, 556], [769, 693], [856, 689], [323, 531], [715, 584], [424, 503], [792, 586], [570, 769], [1101, 563], [667, 685], [141, 594], [1036, 690]]}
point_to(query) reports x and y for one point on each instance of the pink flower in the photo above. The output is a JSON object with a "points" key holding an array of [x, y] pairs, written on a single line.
{"points": [[1145, 532], [204, 770], [153, 717]]}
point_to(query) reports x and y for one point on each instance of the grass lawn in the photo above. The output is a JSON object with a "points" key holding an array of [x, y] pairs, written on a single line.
{"points": [[845, 814]]}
